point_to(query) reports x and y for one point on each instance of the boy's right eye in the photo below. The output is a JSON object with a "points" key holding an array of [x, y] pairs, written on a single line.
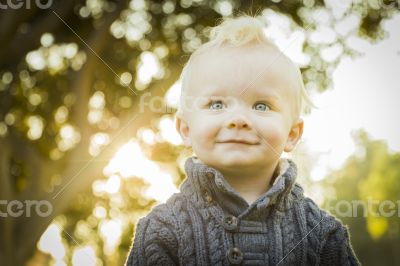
{"points": [[216, 105]]}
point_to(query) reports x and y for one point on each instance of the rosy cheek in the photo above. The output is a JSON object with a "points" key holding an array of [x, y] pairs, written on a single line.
{"points": [[273, 133], [200, 135]]}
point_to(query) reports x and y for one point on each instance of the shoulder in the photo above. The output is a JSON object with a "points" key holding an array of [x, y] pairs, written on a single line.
{"points": [[321, 225], [334, 244], [156, 239], [167, 211], [319, 222], [313, 214], [327, 236], [167, 214], [156, 231]]}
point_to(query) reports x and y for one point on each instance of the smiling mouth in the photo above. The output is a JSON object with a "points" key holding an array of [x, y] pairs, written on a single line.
{"points": [[238, 142]]}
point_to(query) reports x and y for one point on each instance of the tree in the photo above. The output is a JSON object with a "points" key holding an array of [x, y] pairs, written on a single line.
{"points": [[72, 71]]}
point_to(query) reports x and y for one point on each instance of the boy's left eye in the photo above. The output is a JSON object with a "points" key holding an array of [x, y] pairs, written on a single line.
{"points": [[216, 105], [260, 107]]}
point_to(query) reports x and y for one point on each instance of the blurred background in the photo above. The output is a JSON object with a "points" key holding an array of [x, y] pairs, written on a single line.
{"points": [[88, 92]]}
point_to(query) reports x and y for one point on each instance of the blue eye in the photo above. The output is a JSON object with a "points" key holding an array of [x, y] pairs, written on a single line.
{"points": [[260, 107], [216, 105]]}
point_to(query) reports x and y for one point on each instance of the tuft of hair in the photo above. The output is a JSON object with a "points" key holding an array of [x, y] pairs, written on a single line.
{"points": [[239, 31]]}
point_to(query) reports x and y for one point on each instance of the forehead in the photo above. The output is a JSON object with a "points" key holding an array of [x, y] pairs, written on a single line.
{"points": [[254, 69]]}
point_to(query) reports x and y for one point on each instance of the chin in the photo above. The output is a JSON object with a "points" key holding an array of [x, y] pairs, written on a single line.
{"points": [[232, 159], [236, 161]]}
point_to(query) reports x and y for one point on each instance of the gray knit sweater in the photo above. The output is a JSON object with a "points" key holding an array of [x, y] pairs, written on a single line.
{"points": [[209, 223]]}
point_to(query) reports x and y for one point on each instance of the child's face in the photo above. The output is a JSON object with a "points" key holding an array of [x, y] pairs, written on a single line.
{"points": [[244, 108]]}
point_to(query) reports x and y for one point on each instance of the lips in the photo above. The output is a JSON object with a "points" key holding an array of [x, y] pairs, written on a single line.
{"points": [[239, 141]]}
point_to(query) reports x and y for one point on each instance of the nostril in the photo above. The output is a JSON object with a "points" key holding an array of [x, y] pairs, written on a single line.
{"points": [[238, 121], [238, 124]]}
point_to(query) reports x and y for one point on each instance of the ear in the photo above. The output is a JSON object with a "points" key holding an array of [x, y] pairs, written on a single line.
{"points": [[183, 130], [294, 135]]}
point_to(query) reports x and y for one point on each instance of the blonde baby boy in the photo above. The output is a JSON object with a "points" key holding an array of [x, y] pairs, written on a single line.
{"points": [[240, 109]]}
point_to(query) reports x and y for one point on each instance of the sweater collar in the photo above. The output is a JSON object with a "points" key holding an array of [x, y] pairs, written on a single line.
{"points": [[206, 180]]}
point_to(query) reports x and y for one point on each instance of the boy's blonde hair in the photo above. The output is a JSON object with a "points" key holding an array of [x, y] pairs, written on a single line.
{"points": [[238, 32]]}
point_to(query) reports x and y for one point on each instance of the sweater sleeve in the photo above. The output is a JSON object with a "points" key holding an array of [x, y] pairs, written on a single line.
{"points": [[154, 244], [337, 249]]}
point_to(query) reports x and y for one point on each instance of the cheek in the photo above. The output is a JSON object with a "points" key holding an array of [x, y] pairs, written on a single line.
{"points": [[203, 133], [274, 132]]}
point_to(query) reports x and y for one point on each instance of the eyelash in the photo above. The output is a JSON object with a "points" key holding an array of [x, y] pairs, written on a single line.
{"points": [[211, 102]]}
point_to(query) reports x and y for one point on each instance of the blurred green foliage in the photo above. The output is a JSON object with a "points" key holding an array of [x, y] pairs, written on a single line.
{"points": [[366, 198]]}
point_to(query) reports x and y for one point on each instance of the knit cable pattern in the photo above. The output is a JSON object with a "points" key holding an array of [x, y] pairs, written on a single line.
{"points": [[189, 229]]}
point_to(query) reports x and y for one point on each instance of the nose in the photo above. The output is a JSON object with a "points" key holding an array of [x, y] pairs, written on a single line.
{"points": [[238, 121]]}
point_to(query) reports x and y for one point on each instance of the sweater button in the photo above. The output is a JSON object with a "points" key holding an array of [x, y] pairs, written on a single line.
{"points": [[207, 196], [234, 256], [230, 222]]}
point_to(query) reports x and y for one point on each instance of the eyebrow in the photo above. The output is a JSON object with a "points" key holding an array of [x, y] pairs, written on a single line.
{"points": [[268, 95], [212, 91]]}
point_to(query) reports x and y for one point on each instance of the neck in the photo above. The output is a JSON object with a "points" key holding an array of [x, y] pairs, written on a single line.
{"points": [[251, 184]]}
